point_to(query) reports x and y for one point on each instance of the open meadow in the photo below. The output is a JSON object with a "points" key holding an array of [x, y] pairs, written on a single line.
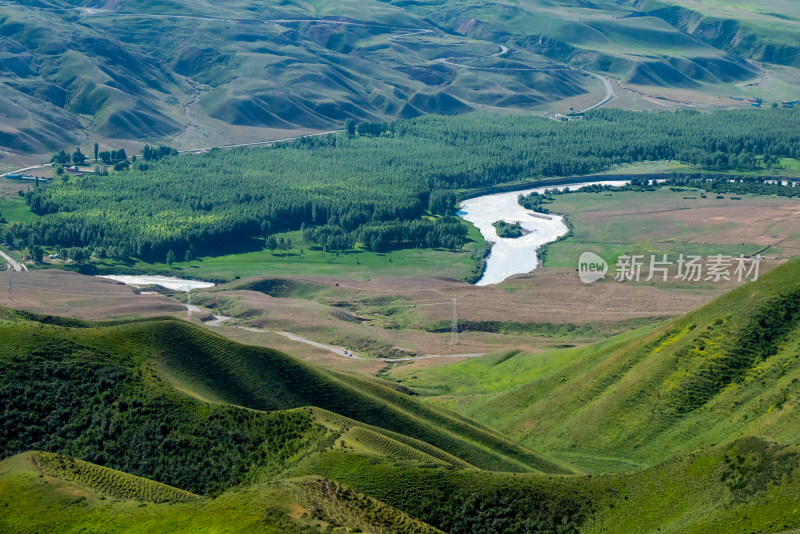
{"points": [[675, 222]]}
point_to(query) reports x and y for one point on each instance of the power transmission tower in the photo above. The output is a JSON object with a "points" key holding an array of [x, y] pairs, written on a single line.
{"points": [[189, 304], [10, 292], [454, 325]]}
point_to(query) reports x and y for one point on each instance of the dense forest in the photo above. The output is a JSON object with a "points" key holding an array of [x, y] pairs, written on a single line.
{"points": [[389, 188]]}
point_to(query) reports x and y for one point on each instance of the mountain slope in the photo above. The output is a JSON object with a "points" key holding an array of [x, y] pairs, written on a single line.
{"points": [[34, 498], [746, 486], [199, 74], [726, 370], [139, 387]]}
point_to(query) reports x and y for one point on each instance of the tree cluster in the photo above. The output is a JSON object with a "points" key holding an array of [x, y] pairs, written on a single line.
{"points": [[369, 189]]}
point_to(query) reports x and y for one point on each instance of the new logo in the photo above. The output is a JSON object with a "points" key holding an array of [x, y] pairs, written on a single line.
{"points": [[591, 267]]}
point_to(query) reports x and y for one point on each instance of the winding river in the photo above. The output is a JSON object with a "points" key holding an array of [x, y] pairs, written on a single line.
{"points": [[512, 256], [509, 256]]}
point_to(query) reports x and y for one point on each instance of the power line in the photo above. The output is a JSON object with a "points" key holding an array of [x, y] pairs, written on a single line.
{"points": [[454, 325]]}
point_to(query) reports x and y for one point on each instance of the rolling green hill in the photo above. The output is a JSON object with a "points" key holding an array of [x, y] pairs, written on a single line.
{"points": [[135, 388], [745, 486], [698, 412], [38, 493], [202, 73], [726, 370]]}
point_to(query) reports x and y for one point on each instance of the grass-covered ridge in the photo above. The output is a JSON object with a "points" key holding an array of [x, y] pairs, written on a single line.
{"points": [[107, 481], [700, 413], [745, 486], [205, 76], [723, 371], [37, 497], [169, 401]]}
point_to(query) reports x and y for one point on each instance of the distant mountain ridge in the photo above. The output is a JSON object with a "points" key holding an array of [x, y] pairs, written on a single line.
{"points": [[204, 74]]}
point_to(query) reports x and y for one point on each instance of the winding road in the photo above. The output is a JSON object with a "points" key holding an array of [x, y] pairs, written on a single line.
{"points": [[14, 265], [349, 354], [220, 319], [610, 94]]}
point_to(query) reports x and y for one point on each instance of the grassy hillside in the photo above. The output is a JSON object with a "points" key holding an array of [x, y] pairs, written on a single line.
{"points": [[699, 412], [214, 74], [743, 487], [763, 31], [137, 388], [726, 370], [746, 486], [107, 481], [36, 499], [213, 368]]}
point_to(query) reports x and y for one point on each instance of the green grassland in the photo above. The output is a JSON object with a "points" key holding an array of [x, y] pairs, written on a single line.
{"points": [[355, 264], [15, 210], [35, 499], [725, 370]]}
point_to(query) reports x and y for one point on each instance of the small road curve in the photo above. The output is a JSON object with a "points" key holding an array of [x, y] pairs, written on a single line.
{"points": [[220, 319], [609, 96], [14, 265], [349, 354], [217, 320], [329, 348], [503, 51], [449, 61], [409, 34]]}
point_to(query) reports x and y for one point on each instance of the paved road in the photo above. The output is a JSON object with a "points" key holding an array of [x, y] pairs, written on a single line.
{"points": [[14, 265], [610, 94]]}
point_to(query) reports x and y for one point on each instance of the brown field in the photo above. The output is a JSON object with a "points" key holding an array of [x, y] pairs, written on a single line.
{"points": [[61, 293], [766, 221], [414, 306], [396, 329], [9, 188]]}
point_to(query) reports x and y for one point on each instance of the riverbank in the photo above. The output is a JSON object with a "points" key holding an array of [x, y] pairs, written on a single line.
{"points": [[518, 255]]}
